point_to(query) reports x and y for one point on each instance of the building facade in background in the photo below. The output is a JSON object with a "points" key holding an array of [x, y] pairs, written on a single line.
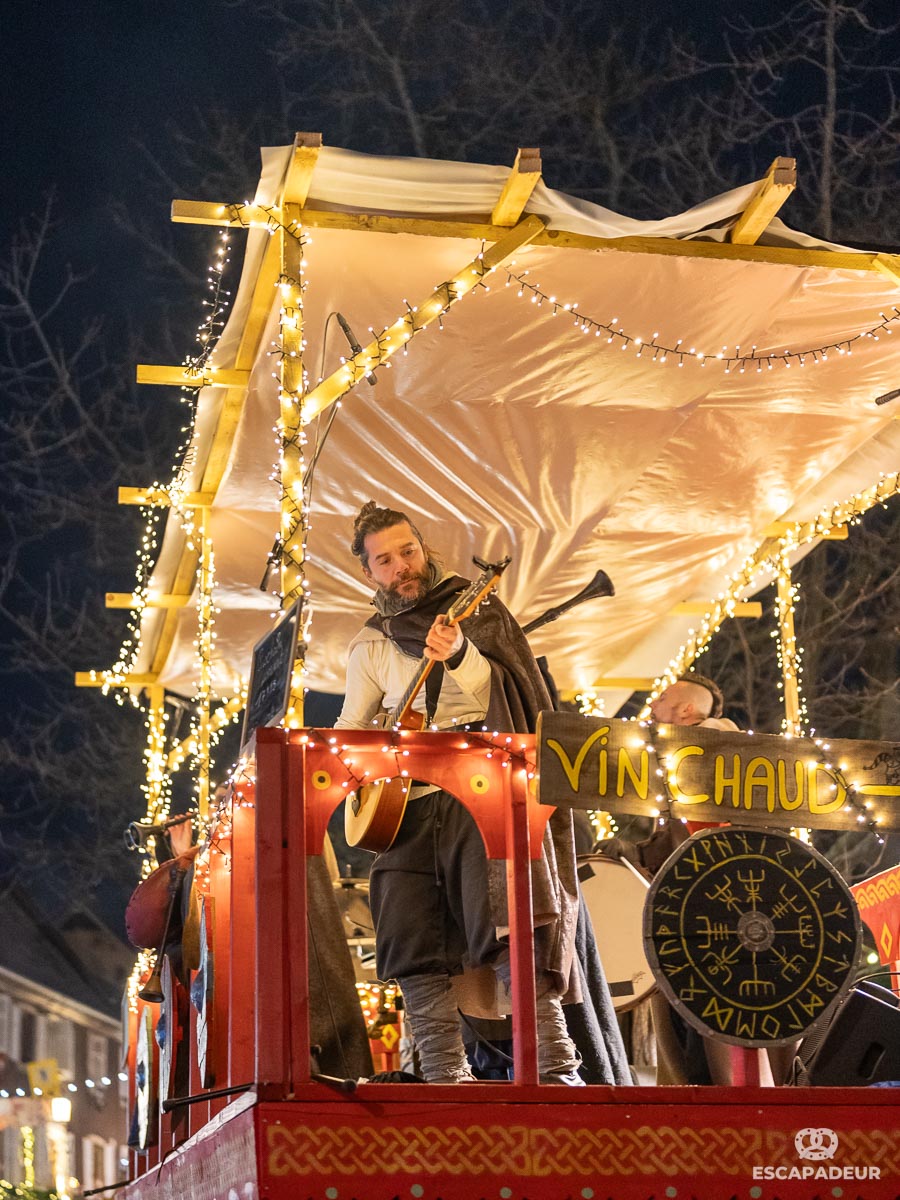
{"points": [[63, 1095]]}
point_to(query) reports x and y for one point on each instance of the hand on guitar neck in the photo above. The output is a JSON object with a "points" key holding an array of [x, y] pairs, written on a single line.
{"points": [[444, 639]]}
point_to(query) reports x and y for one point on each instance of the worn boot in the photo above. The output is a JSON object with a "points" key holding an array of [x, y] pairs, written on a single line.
{"points": [[558, 1060], [434, 1020]]}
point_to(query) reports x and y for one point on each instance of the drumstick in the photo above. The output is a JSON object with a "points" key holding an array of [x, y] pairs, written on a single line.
{"points": [[633, 869]]}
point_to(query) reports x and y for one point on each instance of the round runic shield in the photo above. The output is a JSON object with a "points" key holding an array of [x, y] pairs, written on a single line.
{"points": [[170, 1030], [203, 992], [145, 1081], [751, 934]]}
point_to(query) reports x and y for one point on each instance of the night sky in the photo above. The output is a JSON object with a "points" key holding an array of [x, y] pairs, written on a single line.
{"points": [[95, 92]]}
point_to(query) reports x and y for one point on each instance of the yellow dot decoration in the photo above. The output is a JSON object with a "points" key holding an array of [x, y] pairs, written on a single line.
{"points": [[321, 781], [480, 784]]}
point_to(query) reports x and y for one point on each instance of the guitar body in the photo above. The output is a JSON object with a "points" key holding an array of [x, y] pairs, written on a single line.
{"points": [[372, 816]]}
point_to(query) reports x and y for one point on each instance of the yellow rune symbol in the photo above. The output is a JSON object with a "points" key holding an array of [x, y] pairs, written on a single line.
{"points": [[725, 893], [790, 967], [718, 966], [752, 884], [713, 931]]}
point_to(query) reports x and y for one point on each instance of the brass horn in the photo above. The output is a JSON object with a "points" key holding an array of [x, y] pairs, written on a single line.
{"points": [[600, 585]]}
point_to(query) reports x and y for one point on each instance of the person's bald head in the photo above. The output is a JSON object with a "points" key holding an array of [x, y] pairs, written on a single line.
{"points": [[687, 702]]}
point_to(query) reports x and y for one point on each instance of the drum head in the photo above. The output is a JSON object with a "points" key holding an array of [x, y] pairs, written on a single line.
{"points": [[615, 897]]}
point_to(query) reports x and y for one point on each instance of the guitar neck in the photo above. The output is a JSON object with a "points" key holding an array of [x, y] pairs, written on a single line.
{"points": [[423, 670]]}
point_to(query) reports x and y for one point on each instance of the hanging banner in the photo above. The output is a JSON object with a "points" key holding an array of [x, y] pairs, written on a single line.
{"points": [[707, 775]]}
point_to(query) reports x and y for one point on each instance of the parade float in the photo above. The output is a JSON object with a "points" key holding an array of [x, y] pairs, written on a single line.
{"points": [[690, 404]]}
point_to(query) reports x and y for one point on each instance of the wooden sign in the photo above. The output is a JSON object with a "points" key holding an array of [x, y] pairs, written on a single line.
{"points": [[270, 674], [707, 775]]}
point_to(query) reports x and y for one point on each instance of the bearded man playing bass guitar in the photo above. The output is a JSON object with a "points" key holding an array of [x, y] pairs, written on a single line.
{"points": [[436, 900]]}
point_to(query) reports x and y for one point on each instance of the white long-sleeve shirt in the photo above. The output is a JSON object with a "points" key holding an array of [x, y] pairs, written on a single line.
{"points": [[378, 674]]}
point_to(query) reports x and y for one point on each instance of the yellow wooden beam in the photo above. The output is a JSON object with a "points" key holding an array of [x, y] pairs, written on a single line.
{"points": [[87, 679], [520, 183], [304, 155], [771, 192], [210, 376], [203, 213], [396, 336], [629, 683], [779, 528], [889, 266], [699, 608], [127, 600], [159, 498]]}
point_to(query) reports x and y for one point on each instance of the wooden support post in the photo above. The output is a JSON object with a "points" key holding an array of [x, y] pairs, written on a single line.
{"points": [[98, 679], [636, 683], [200, 212], [298, 906], [699, 608], [159, 498], [521, 931], [520, 183], [127, 600], [155, 755], [218, 720], [293, 464], [209, 376], [272, 1000], [771, 192], [298, 179], [778, 529], [790, 663], [217, 1036], [205, 643], [889, 266], [417, 318], [242, 935]]}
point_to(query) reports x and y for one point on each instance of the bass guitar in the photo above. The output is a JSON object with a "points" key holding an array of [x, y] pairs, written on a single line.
{"points": [[373, 814]]}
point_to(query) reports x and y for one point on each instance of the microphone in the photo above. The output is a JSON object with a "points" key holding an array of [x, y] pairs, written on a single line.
{"points": [[888, 396], [354, 344]]}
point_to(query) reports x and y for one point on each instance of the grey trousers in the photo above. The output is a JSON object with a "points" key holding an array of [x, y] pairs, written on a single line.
{"points": [[434, 1020]]}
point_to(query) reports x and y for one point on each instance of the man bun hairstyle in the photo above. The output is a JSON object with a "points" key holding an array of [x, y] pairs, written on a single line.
{"points": [[371, 518], [718, 700]]}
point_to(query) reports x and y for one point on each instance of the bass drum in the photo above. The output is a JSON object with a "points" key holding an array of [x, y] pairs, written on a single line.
{"points": [[614, 896]]}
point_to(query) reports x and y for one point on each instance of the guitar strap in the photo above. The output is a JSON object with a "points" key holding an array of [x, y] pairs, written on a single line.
{"points": [[433, 685]]}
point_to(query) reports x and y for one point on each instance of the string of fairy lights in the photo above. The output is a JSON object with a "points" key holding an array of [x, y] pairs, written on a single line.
{"points": [[291, 473], [772, 555], [651, 349]]}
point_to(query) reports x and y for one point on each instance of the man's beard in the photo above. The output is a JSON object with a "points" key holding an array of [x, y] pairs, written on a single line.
{"points": [[399, 596]]}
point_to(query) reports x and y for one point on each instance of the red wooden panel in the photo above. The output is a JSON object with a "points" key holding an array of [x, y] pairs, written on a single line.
{"points": [[272, 967], [241, 979], [297, 926], [220, 890]]}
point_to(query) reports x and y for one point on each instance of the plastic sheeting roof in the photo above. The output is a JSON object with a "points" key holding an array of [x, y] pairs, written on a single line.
{"points": [[513, 432]]}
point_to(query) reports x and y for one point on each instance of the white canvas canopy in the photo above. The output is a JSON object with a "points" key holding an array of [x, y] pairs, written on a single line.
{"points": [[511, 431]]}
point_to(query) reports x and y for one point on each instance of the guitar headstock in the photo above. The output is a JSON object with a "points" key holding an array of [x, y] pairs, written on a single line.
{"points": [[466, 603]]}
